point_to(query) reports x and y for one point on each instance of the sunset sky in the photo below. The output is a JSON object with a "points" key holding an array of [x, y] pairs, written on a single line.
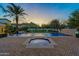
{"points": [[43, 13]]}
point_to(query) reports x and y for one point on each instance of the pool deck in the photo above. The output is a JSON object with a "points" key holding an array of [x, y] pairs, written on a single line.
{"points": [[67, 46]]}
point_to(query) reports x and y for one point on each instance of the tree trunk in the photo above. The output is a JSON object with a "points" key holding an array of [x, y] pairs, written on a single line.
{"points": [[17, 25]]}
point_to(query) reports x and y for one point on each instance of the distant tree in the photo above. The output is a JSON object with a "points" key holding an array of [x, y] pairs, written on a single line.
{"points": [[45, 26], [33, 25], [26, 26], [54, 24], [62, 26]]}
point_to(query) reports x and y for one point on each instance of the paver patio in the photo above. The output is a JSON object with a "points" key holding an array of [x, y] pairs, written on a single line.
{"points": [[66, 46]]}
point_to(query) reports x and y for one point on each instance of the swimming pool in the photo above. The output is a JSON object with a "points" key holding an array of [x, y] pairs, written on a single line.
{"points": [[41, 35], [57, 34]]}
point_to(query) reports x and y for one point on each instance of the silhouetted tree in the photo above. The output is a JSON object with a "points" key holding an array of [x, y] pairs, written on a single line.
{"points": [[54, 24], [73, 20]]}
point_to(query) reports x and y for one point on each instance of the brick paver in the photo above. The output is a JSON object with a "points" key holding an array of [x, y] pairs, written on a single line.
{"points": [[66, 46]]}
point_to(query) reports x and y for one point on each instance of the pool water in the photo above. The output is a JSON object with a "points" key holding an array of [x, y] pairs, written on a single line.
{"points": [[39, 43], [57, 34], [40, 35]]}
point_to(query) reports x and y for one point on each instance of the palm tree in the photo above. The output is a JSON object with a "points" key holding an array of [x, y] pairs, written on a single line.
{"points": [[14, 11]]}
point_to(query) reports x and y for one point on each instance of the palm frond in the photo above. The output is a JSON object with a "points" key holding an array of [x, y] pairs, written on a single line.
{"points": [[8, 15], [3, 9]]}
